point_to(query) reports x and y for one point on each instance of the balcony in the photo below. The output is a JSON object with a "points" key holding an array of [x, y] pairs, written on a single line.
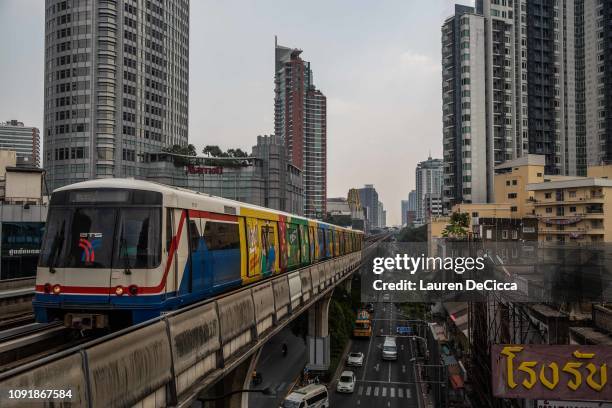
{"points": [[591, 198]]}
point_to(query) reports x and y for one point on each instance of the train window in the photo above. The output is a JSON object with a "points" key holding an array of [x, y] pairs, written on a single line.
{"points": [[221, 235], [304, 243], [321, 239], [169, 228], [311, 239], [54, 241], [194, 234], [89, 239], [138, 238], [293, 245], [268, 244]]}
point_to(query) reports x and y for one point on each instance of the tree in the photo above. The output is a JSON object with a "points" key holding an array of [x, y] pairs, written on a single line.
{"points": [[413, 234], [458, 226], [213, 151]]}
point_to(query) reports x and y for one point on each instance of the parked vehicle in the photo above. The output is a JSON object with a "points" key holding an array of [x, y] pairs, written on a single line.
{"points": [[363, 324]]}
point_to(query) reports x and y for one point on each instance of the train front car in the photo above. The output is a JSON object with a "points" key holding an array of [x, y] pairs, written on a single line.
{"points": [[101, 262]]}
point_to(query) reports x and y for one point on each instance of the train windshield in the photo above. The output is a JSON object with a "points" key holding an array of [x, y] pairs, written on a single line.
{"points": [[102, 237]]}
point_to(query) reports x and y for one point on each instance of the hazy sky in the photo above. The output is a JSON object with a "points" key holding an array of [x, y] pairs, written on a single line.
{"points": [[378, 63]]}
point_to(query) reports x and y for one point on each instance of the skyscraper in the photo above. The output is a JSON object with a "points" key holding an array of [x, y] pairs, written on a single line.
{"points": [[300, 117], [465, 142], [369, 201], [429, 179], [24, 140], [543, 66], [116, 85]]}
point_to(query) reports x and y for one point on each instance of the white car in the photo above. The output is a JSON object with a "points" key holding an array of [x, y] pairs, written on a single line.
{"points": [[354, 359], [346, 383]]}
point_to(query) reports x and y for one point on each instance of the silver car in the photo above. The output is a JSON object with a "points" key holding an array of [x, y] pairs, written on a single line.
{"points": [[354, 359]]}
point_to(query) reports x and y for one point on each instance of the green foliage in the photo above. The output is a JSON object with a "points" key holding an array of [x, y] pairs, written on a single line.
{"points": [[188, 150], [342, 312], [413, 234], [340, 220], [458, 226]]}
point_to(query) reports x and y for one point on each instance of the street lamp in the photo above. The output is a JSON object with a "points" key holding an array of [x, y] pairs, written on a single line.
{"points": [[265, 391]]}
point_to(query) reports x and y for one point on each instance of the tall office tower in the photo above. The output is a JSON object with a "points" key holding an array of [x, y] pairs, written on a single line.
{"points": [[404, 207], [300, 116], [429, 179], [24, 140], [116, 85], [412, 200], [381, 215], [467, 161], [369, 200], [594, 79]]}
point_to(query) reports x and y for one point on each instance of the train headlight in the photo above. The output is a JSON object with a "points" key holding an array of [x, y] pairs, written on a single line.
{"points": [[119, 290], [133, 289], [47, 288], [57, 289]]}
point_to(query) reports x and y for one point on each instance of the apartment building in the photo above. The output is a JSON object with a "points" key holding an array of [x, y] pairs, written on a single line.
{"points": [[575, 211]]}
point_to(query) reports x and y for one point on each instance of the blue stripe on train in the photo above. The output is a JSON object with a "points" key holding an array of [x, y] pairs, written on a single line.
{"points": [[213, 272]]}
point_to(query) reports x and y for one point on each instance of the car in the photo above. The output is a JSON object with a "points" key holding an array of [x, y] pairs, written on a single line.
{"points": [[354, 359], [346, 383]]}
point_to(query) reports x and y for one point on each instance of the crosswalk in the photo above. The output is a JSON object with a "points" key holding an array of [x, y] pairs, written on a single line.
{"points": [[383, 391]]}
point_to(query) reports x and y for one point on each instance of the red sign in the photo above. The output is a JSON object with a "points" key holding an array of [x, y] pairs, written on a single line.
{"points": [[540, 371], [204, 170]]}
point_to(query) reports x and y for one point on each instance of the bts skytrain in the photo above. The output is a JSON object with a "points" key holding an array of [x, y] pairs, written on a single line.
{"points": [[117, 252]]}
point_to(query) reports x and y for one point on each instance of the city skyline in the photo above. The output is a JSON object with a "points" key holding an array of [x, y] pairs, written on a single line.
{"points": [[369, 74]]}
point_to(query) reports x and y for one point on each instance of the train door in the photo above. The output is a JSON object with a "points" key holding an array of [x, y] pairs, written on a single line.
{"points": [[222, 246], [269, 247], [304, 244], [194, 273]]}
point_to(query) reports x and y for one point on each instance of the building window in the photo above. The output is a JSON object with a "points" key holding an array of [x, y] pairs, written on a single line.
{"points": [[572, 194], [539, 174], [507, 182], [547, 195], [548, 209], [572, 209], [474, 215], [514, 182], [505, 234], [515, 234], [511, 195], [513, 209]]}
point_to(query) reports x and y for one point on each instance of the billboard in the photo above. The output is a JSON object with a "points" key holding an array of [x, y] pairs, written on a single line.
{"points": [[540, 371]]}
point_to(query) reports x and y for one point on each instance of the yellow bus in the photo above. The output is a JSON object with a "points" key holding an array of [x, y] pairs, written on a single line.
{"points": [[363, 324]]}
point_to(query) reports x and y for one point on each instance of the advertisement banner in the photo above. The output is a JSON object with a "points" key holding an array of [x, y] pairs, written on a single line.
{"points": [[568, 372]]}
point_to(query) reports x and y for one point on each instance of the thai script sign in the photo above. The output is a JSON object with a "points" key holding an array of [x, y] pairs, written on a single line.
{"points": [[571, 372], [204, 170]]}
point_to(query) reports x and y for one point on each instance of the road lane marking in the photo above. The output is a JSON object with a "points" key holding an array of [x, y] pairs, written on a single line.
{"points": [[376, 367], [400, 393], [368, 390], [389, 372], [407, 392], [360, 390], [403, 368], [376, 392], [281, 386], [392, 392], [384, 391]]}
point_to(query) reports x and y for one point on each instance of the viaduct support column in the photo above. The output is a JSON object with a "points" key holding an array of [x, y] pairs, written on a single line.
{"points": [[318, 335], [239, 379]]}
